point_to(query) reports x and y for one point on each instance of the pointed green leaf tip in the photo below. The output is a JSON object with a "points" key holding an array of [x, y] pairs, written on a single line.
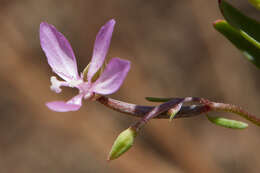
{"points": [[236, 37], [224, 122], [123, 142], [240, 21], [241, 30]]}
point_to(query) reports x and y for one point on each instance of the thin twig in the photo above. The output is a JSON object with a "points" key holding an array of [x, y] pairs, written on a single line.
{"points": [[141, 111], [204, 106]]}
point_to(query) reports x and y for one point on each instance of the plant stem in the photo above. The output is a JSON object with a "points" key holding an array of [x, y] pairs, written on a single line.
{"points": [[203, 106]]}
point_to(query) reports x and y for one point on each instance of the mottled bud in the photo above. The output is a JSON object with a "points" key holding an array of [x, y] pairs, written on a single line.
{"points": [[123, 142], [174, 111]]}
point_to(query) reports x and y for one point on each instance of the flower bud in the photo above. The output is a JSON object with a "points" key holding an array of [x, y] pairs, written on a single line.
{"points": [[174, 111], [123, 142]]}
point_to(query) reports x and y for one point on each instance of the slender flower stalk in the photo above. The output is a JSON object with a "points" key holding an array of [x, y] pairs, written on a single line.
{"points": [[140, 110], [62, 60], [167, 106], [204, 106]]}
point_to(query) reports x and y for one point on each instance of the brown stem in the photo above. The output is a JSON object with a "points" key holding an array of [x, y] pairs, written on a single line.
{"points": [[141, 111], [185, 112], [157, 110], [235, 109]]}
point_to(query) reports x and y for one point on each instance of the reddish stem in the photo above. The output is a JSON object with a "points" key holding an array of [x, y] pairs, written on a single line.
{"points": [[148, 112]]}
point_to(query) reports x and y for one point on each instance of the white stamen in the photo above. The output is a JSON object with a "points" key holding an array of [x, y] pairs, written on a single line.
{"points": [[74, 83], [55, 84]]}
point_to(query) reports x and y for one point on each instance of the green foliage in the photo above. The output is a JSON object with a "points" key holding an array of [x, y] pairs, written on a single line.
{"points": [[224, 122], [240, 21], [251, 52], [241, 30]]}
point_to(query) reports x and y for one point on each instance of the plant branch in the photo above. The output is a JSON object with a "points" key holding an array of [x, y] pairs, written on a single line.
{"points": [[140, 111], [203, 106]]}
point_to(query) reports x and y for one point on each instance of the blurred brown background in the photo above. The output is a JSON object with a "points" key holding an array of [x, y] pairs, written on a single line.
{"points": [[174, 51]]}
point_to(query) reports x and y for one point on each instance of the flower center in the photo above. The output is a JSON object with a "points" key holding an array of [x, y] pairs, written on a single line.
{"points": [[85, 89]]}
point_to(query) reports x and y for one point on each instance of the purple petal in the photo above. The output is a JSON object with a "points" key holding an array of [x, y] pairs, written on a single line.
{"points": [[72, 105], [101, 47], [58, 51], [112, 77]]}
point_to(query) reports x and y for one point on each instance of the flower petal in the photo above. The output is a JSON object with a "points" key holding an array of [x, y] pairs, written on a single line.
{"points": [[112, 77], [58, 51], [72, 105], [100, 48]]}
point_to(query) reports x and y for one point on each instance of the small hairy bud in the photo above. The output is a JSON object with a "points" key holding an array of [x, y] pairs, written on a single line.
{"points": [[174, 111], [123, 143]]}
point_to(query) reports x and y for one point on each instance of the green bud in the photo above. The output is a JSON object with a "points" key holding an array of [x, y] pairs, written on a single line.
{"points": [[123, 142], [255, 3], [224, 122]]}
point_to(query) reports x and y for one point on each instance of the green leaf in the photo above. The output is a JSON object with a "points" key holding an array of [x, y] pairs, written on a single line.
{"points": [[155, 99], [251, 52], [228, 123], [242, 22], [255, 3]]}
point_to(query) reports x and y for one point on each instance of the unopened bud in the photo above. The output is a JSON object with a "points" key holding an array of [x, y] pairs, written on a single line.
{"points": [[174, 111], [123, 142]]}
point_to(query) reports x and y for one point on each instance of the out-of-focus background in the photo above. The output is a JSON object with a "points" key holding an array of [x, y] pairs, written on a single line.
{"points": [[174, 51]]}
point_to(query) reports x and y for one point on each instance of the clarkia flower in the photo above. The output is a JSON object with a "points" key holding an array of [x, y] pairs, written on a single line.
{"points": [[61, 59]]}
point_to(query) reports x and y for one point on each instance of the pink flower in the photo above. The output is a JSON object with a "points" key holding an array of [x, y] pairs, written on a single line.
{"points": [[62, 60]]}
